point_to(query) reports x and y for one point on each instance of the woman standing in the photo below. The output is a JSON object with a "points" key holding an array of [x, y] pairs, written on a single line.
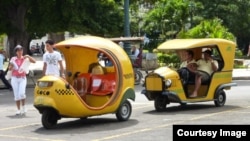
{"points": [[18, 78]]}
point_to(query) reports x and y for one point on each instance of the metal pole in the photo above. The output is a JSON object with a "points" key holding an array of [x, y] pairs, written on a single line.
{"points": [[127, 46]]}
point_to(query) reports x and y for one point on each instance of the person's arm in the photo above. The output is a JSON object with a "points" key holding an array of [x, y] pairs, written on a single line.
{"points": [[192, 67], [31, 59], [10, 67], [214, 65]]}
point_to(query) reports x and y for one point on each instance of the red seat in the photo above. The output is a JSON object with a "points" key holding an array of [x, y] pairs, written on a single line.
{"points": [[103, 84], [82, 83]]}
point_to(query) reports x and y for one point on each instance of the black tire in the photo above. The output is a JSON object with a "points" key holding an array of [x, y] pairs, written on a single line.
{"points": [[138, 77], [83, 118], [49, 119], [124, 111], [220, 99], [160, 103], [183, 104]]}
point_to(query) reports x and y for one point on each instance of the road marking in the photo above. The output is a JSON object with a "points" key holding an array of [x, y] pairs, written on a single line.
{"points": [[25, 137], [30, 138], [20, 126], [119, 135], [164, 125], [142, 107]]}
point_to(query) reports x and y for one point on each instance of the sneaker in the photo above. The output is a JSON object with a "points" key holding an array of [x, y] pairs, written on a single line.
{"points": [[18, 112], [23, 111]]}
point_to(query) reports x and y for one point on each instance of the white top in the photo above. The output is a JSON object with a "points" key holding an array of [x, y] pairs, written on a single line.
{"points": [[136, 53], [25, 66], [51, 59], [185, 63], [206, 66]]}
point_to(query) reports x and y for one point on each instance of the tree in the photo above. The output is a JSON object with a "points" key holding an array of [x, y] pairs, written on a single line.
{"points": [[234, 14], [208, 29], [22, 20]]}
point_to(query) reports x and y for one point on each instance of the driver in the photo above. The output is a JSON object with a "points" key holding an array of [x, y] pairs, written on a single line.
{"points": [[189, 60], [188, 66]]}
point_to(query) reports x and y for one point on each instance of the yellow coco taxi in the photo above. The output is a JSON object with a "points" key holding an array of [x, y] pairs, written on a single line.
{"points": [[167, 85], [99, 81]]}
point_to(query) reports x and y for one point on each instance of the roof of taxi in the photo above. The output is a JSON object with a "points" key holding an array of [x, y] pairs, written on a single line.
{"points": [[94, 42], [192, 43]]}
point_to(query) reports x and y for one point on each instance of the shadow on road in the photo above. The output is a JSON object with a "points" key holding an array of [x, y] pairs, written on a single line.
{"points": [[88, 125], [193, 108]]}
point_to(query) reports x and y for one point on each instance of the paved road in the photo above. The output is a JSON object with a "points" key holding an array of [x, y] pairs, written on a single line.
{"points": [[145, 123]]}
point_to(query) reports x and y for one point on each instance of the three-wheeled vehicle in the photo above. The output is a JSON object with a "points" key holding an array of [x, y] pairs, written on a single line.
{"points": [[136, 61], [166, 85], [90, 88]]}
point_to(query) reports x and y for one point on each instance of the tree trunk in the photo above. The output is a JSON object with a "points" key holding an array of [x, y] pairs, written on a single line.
{"points": [[18, 34]]}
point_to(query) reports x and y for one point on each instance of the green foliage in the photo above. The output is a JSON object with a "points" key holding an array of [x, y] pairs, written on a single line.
{"points": [[169, 59], [104, 18], [208, 29], [238, 53]]}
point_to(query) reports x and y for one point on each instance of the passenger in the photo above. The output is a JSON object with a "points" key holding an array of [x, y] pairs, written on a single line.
{"points": [[138, 61], [205, 67], [105, 58], [135, 51]]}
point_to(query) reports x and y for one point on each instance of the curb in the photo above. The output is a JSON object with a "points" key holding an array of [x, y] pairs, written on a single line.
{"points": [[241, 78], [36, 74]]}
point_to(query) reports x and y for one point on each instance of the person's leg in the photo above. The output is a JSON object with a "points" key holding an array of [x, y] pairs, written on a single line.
{"points": [[197, 85], [18, 112], [22, 93], [14, 83], [6, 82]]}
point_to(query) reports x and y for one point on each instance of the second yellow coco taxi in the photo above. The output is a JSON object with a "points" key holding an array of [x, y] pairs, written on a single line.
{"points": [[166, 85]]}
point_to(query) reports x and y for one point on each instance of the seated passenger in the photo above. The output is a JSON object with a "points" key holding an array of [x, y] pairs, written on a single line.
{"points": [[138, 61], [205, 67]]}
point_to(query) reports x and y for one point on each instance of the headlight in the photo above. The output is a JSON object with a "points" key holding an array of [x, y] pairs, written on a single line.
{"points": [[168, 83], [44, 84]]}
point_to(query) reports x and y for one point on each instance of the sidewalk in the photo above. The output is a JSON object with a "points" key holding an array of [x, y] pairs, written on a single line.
{"points": [[238, 74], [241, 74]]}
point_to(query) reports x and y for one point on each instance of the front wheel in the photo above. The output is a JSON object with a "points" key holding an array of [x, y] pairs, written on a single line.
{"points": [[49, 119], [124, 111], [220, 98], [160, 103]]}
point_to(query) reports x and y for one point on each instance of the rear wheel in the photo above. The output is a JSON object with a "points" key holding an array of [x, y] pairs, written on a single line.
{"points": [[49, 119], [124, 111], [220, 98], [160, 103], [138, 77]]}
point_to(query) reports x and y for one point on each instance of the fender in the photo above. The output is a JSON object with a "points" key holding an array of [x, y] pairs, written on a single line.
{"points": [[222, 86]]}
